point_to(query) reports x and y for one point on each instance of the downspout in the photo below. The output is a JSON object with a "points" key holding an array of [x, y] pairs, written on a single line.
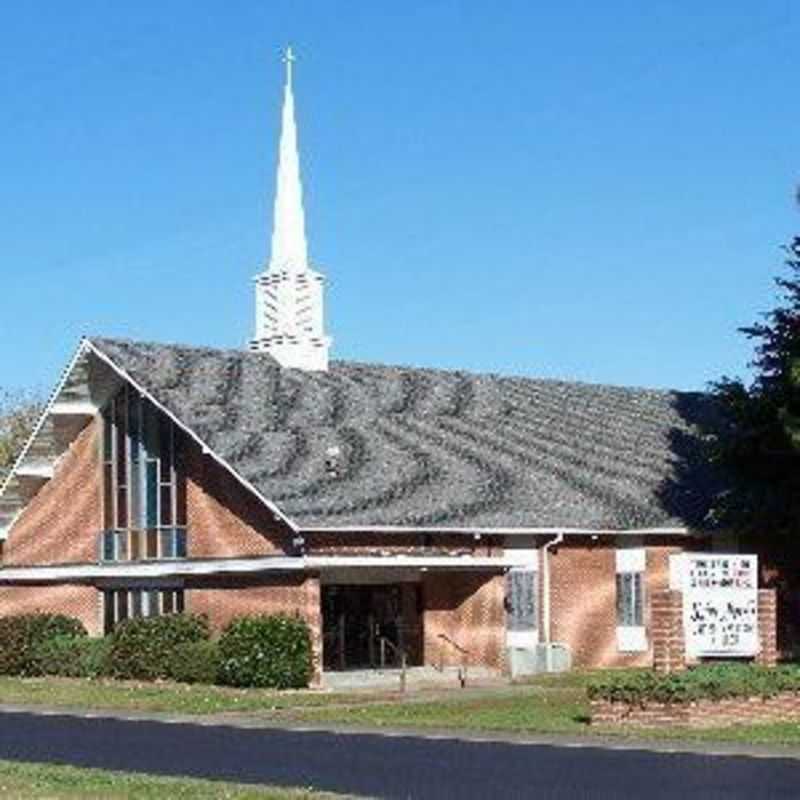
{"points": [[546, 596]]}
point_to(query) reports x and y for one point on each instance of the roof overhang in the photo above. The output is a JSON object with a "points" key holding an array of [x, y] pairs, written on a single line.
{"points": [[501, 531], [88, 573]]}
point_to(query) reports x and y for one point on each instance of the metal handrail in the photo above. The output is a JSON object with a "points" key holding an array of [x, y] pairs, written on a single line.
{"points": [[398, 651], [462, 670]]}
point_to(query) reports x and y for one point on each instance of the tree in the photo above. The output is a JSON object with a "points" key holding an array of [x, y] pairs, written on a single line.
{"points": [[761, 443], [18, 414]]}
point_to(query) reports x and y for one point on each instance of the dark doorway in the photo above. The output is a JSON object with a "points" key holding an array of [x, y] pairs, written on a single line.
{"points": [[370, 626]]}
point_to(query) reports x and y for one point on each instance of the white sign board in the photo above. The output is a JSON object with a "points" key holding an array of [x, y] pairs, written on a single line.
{"points": [[720, 604]]}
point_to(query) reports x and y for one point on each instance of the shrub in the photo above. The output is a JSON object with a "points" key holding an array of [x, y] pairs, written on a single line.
{"points": [[712, 682], [194, 662], [266, 651], [20, 635], [71, 657], [141, 648]]}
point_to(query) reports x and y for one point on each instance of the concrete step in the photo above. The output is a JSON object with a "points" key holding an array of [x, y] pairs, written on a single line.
{"points": [[416, 677]]}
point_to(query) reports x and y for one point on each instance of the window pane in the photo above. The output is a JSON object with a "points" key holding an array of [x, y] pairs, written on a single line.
{"points": [[136, 496], [168, 602], [180, 543], [179, 601], [638, 605], [108, 432], [122, 507], [152, 494], [122, 546], [108, 612], [136, 603], [150, 431], [166, 505], [108, 545], [152, 603], [108, 496], [167, 544], [119, 423], [122, 605], [152, 544], [135, 545], [165, 435], [134, 411]]}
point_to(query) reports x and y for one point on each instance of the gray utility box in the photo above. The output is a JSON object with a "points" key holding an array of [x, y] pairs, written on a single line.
{"points": [[552, 657]]}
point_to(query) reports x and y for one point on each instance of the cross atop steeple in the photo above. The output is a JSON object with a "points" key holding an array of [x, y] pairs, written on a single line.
{"points": [[289, 313]]}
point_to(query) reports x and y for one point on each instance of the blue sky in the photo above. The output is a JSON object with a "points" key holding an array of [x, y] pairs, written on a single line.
{"points": [[579, 190]]}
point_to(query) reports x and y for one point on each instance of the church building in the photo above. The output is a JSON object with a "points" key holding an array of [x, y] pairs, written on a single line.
{"points": [[451, 519]]}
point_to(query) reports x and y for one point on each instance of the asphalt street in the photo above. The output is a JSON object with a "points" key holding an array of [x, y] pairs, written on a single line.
{"points": [[392, 767]]}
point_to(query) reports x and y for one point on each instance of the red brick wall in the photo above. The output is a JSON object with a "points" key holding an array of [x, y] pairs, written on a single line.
{"points": [[467, 608], [224, 519], [767, 627], [223, 598], [61, 523], [82, 602], [583, 601], [666, 631], [783, 707]]}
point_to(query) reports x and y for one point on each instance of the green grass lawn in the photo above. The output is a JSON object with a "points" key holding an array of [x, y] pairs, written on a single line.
{"points": [[23, 780], [547, 704], [167, 697]]}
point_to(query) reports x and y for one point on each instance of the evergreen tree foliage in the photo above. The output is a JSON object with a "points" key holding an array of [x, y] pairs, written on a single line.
{"points": [[761, 445]]}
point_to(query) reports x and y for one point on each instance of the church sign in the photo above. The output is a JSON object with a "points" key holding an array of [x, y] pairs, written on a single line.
{"points": [[720, 604]]}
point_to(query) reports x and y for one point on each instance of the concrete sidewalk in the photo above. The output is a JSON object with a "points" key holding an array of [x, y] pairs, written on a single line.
{"points": [[249, 721]]}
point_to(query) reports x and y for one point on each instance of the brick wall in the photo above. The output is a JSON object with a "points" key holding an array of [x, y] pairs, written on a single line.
{"points": [[767, 628], [61, 523], [467, 608], [583, 601], [78, 601], [701, 714], [223, 598], [667, 631], [224, 519]]}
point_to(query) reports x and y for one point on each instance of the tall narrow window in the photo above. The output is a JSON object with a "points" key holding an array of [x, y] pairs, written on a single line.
{"points": [[630, 607], [630, 585], [144, 491]]}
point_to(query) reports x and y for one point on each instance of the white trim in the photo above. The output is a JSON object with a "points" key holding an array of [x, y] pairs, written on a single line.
{"points": [[630, 559], [203, 445], [150, 569], [224, 566], [631, 638], [418, 562], [82, 347], [401, 529], [74, 408], [43, 472]]}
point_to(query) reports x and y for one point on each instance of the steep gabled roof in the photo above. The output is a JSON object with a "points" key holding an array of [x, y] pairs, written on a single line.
{"points": [[371, 445]]}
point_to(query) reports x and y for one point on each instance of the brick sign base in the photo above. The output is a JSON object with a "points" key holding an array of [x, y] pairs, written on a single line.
{"points": [[784, 707]]}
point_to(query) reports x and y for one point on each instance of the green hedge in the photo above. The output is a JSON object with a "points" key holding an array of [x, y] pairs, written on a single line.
{"points": [[141, 648], [712, 682], [21, 634], [267, 652], [194, 662], [71, 657]]}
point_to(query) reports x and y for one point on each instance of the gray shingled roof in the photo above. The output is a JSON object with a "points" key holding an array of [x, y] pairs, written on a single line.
{"points": [[424, 447]]}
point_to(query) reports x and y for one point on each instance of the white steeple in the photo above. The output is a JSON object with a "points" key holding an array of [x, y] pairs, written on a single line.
{"points": [[289, 301]]}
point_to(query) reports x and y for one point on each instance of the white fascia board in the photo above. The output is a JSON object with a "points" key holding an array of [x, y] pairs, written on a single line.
{"points": [[74, 408], [82, 347], [481, 531], [419, 562], [152, 569], [189, 432], [38, 470]]}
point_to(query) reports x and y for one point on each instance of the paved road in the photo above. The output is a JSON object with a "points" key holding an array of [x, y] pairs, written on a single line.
{"points": [[391, 767]]}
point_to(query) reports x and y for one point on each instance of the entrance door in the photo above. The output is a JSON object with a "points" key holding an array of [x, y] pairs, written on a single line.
{"points": [[364, 627]]}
